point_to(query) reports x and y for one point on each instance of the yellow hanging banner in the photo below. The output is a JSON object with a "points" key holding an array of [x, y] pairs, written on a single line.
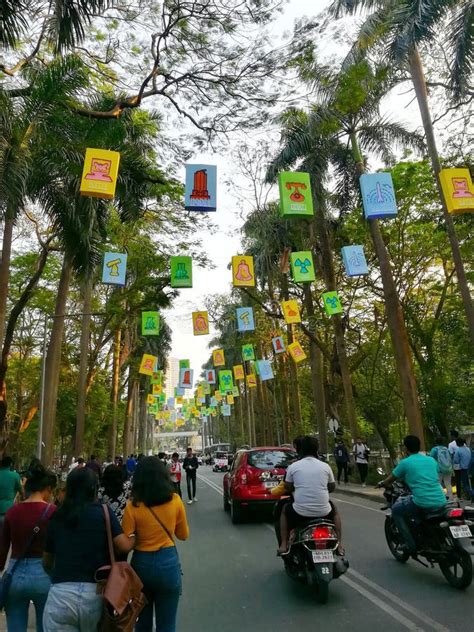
{"points": [[251, 380], [291, 312], [100, 173], [458, 190], [296, 352]]}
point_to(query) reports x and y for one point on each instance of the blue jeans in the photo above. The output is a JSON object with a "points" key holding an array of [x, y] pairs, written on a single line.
{"points": [[72, 607], [160, 572], [405, 510], [30, 582]]}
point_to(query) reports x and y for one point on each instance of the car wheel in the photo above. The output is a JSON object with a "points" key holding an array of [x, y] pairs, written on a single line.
{"points": [[236, 513], [226, 502]]}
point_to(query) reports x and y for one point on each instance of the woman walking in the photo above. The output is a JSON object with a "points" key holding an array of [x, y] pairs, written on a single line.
{"points": [[114, 490], [25, 530], [76, 546], [156, 514]]}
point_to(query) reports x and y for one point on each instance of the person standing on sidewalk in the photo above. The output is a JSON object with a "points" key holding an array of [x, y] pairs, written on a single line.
{"points": [[440, 453], [190, 465], [10, 486], [361, 453], [174, 468], [341, 456], [462, 465]]}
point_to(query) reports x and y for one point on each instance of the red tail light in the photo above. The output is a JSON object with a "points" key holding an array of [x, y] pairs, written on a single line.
{"points": [[321, 535], [455, 513]]}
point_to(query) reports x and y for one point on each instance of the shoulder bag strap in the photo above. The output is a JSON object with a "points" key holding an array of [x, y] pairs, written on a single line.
{"points": [[108, 528], [36, 530], [163, 526]]}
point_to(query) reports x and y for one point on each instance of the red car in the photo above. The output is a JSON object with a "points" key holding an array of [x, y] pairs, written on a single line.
{"points": [[254, 473]]}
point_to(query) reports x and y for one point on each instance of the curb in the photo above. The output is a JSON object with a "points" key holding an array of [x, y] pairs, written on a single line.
{"points": [[378, 498]]}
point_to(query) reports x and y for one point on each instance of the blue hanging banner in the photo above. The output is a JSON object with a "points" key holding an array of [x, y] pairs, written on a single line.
{"points": [[245, 319], [354, 261], [378, 195], [114, 270]]}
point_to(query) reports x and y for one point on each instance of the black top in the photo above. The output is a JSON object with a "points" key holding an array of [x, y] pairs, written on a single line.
{"points": [[341, 454], [190, 464], [79, 552]]}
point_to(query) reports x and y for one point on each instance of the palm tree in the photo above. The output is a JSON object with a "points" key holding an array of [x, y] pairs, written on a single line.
{"points": [[349, 113], [401, 28]]}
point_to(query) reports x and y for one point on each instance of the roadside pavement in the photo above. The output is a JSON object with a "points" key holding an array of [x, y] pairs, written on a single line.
{"points": [[355, 489]]}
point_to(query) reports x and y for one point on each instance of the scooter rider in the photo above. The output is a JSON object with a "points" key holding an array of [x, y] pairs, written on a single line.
{"points": [[420, 473]]}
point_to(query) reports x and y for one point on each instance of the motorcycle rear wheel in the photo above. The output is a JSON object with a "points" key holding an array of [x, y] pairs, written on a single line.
{"points": [[457, 569], [394, 541]]}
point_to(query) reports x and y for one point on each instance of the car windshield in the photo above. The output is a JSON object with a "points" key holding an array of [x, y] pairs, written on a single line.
{"points": [[270, 459], [221, 455]]}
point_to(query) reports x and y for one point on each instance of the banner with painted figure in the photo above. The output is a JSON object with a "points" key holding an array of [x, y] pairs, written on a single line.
{"points": [[150, 323], [265, 370], [100, 173], [278, 344], [243, 274], [114, 269], [296, 199], [458, 190], [245, 319], [148, 364], [378, 195], [354, 261], [200, 323], [201, 188], [181, 272], [185, 378], [226, 382]]}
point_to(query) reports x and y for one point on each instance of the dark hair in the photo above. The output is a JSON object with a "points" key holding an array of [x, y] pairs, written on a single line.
{"points": [[189, 449], [460, 442], [39, 478], [309, 446], [81, 491], [297, 443], [412, 444], [93, 457], [6, 462], [175, 454], [151, 483], [161, 455], [112, 481], [80, 460], [439, 441], [454, 434]]}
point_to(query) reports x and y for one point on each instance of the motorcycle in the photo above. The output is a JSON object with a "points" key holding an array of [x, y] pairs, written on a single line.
{"points": [[312, 558], [443, 537]]}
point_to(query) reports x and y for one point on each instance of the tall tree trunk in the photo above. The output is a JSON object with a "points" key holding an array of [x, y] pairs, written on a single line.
{"points": [[127, 440], [142, 420], [419, 83], [5, 270], [395, 320], [294, 382], [53, 364], [114, 395], [317, 384], [83, 366]]}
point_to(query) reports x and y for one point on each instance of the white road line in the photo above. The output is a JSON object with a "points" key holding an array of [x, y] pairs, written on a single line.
{"points": [[348, 502], [410, 625]]}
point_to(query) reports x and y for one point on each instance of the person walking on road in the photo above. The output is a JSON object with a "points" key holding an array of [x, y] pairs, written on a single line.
{"points": [[10, 486], [25, 531], [341, 456], [440, 453], [155, 515], [190, 465], [361, 453], [114, 491], [175, 473], [462, 466]]}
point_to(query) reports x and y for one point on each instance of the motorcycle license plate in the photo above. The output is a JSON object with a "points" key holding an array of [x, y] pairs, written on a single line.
{"points": [[271, 484], [323, 557], [461, 531]]}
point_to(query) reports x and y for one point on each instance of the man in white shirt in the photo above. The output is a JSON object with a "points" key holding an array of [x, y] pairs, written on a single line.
{"points": [[452, 446], [310, 481]]}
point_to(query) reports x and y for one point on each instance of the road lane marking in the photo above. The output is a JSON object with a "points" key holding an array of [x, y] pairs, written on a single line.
{"points": [[348, 502], [410, 625]]}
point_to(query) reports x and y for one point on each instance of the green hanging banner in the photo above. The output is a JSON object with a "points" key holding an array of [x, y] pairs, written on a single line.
{"points": [[150, 323], [181, 271]]}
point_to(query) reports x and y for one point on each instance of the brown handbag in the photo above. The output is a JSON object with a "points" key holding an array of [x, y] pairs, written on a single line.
{"points": [[121, 590]]}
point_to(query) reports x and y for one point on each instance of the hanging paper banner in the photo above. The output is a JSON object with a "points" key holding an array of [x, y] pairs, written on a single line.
{"points": [[210, 376], [218, 396], [213, 401], [99, 176], [150, 400], [458, 190], [245, 319], [114, 269], [179, 400], [185, 378], [150, 323], [251, 381], [239, 373], [296, 351], [332, 303], [243, 274], [378, 195], [148, 364], [230, 399], [265, 370], [179, 392], [235, 391], [156, 377], [200, 391], [180, 422], [278, 344], [291, 312], [170, 402], [248, 352], [226, 382], [200, 323], [225, 410], [157, 389], [354, 261], [181, 269], [302, 268], [201, 188], [207, 388], [218, 357], [295, 194], [184, 364]]}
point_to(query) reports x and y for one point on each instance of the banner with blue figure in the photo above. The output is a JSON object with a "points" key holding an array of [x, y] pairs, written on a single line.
{"points": [[245, 319], [201, 188], [114, 271], [354, 261], [265, 370], [378, 195], [225, 410]]}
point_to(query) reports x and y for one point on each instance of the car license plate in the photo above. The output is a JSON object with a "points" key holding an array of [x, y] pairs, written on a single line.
{"points": [[271, 484], [323, 557], [462, 531]]}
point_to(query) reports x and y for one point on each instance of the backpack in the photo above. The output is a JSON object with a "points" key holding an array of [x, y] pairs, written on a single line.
{"points": [[445, 464]]}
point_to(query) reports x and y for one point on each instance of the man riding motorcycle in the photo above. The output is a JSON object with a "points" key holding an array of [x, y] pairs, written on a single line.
{"points": [[310, 481], [420, 473]]}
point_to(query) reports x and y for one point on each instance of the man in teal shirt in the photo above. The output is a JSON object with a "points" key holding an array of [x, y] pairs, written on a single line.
{"points": [[420, 473], [10, 486]]}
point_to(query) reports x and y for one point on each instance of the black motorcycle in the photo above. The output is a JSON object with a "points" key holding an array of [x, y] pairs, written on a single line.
{"points": [[312, 558], [441, 538]]}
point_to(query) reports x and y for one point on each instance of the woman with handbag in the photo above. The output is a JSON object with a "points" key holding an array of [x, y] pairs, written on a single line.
{"points": [[76, 547], [25, 580], [155, 515]]}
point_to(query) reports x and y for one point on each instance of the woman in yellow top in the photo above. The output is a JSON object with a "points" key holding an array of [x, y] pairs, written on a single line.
{"points": [[156, 514]]}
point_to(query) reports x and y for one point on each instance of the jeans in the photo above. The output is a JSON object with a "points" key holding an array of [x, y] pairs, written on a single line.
{"points": [[30, 582], [363, 471], [160, 572], [402, 512], [177, 488], [466, 483], [191, 483], [72, 607], [342, 467]]}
